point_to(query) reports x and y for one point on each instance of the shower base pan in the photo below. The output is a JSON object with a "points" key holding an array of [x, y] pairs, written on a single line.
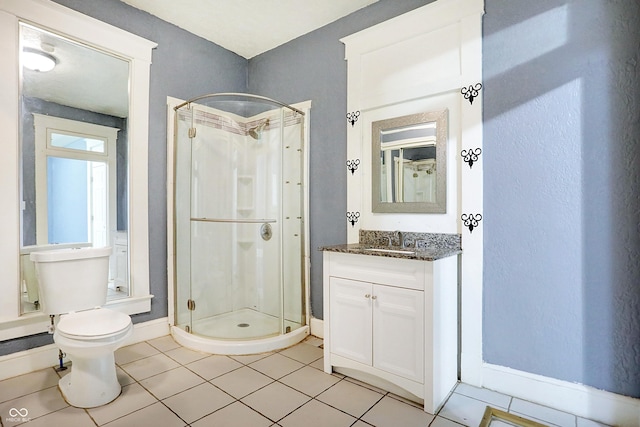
{"points": [[240, 332]]}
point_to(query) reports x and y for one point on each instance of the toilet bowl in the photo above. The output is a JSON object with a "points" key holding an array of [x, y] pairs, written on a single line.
{"points": [[89, 339], [73, 283]]}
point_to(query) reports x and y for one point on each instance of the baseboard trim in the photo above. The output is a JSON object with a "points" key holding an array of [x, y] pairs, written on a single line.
{"points": [[578, 399], [34, 359], [317, 327], [149, 330]]}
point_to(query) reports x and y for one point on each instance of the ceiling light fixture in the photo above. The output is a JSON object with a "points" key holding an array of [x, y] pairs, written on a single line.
{"points": [[37, 60]]}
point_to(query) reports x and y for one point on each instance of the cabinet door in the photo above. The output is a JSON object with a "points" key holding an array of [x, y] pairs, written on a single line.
{"points": [[350, 319], [398, 337]]}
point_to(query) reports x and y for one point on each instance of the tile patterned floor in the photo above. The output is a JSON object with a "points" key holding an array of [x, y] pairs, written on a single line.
{"points": [[165, 384]]}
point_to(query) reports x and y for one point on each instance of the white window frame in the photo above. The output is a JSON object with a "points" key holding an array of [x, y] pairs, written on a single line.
{"points": [[45, 126]]}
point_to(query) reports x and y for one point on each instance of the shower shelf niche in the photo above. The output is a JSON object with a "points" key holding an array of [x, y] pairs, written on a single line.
{"points": [[245, 194]]}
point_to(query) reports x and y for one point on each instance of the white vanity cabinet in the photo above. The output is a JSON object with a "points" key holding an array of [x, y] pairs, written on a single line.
{"points": [[381, 326], [392, 322]]}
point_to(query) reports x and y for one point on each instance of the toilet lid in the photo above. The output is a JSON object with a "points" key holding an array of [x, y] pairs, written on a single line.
{"points": [[96, 323]]}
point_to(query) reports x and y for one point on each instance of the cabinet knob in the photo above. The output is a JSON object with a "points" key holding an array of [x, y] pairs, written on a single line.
{"points": [[374, 297], [367, 295]]}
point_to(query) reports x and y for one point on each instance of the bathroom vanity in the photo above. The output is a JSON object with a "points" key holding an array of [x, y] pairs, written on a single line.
{"points": [[390, 314]]}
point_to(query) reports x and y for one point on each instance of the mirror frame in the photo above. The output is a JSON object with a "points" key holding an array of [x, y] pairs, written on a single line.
{"points": [[66, 22], [442, 130]]}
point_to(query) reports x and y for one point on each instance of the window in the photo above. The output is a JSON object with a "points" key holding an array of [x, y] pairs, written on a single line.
{"points": [[75, 181]]}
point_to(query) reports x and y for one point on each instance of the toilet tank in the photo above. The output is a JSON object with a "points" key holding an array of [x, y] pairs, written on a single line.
{"points": [[72, 279]]}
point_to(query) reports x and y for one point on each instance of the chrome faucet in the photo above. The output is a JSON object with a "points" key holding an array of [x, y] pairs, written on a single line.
{"points": [[398, 235]]}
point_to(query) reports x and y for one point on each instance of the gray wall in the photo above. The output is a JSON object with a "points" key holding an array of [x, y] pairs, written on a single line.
{"points": [[313, 67], [562, 173], [562, 272]]}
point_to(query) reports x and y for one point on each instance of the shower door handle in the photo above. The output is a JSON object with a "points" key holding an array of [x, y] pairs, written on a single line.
{"points": [[234, 220]]}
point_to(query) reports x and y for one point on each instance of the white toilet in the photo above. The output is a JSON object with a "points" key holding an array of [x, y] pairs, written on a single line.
{"points": [[73, 283]]}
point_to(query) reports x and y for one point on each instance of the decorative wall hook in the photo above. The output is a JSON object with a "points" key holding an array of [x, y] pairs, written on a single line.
{"points": [[471, 92], [471, 221], [471, 156], [352, 217], [353, 117], [352, 165]]}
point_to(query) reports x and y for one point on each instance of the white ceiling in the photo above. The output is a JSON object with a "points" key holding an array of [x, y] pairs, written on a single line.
{"points": [[249, 27], [92, 80]]}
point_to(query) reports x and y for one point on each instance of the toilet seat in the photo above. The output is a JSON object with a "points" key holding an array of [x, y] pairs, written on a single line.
{"points": [[93, 324]]}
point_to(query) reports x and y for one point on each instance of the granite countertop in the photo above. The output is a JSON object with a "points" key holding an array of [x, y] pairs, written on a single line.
{"points": [[421, 254], [421, 246]]}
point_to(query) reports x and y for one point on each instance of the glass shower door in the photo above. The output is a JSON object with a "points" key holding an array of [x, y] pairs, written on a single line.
{"points": [[235, 229]]}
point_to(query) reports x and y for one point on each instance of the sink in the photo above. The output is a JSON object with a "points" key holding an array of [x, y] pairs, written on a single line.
{"points": [[392, 251]]}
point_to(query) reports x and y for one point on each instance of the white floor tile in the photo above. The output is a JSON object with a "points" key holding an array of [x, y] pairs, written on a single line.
{"points": [[407, 401], [350, 398], [153, 415], [391, 413], [198, 402], [545, 414], [149, 366], [276, 366], [184, 355], [309, 381], [28, 383], [250, 358], [214, 366], [583, 422], [241, 382], [304, 353], [234, 415], [123, 378], [134, 352], [443, 422], [318, 364], [276, 401], [164, 343], [132, 398], [314, 341], [67, 417], [493, 398], [317, 414], [464, 410], [34, 405], [171, 382]]}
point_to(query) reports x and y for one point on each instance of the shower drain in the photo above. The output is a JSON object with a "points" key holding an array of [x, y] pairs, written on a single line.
{"points": [[243, 325]]}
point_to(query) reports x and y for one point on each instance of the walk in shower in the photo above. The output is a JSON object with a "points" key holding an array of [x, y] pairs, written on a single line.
{"points": [[239, 218]]}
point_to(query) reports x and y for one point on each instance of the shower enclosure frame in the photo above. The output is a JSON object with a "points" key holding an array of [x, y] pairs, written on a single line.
{"points": [[249, 346]]}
